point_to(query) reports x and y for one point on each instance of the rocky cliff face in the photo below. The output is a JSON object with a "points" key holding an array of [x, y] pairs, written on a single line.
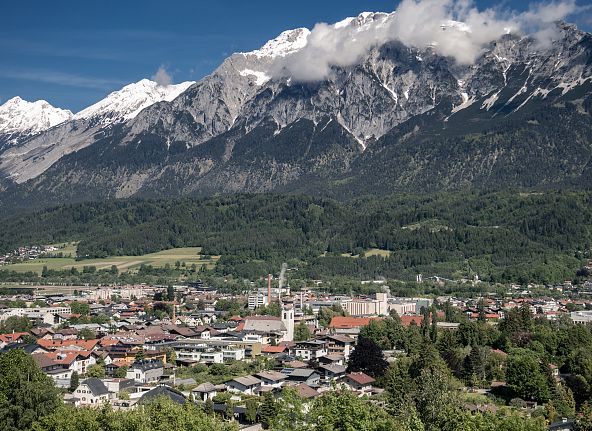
{"points": [[400, 118]]}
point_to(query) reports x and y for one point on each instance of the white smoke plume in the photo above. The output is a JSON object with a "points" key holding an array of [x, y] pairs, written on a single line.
{"points": [[162, 77], [455, 28]]}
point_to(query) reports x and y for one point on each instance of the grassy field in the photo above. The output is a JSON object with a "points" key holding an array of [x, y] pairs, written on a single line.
{"points": [[370, 252], [188, 255]]}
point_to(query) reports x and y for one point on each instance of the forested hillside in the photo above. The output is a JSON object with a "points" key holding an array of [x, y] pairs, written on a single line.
{"points": [[503, 236]]}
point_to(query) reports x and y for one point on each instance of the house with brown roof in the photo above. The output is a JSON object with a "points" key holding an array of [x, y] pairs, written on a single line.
{"points": [[269, 350], [306, 392], [68, 344], [360, 382]]}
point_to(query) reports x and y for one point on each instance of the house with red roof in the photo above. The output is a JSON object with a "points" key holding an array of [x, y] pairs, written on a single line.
{"points": [[15, 337], [348, 325], [408, 320]]}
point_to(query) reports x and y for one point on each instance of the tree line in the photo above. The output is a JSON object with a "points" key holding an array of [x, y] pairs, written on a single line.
{"points": [[501, 236]]}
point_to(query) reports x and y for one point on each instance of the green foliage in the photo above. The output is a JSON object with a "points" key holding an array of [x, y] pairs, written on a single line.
{"points": [[289, 414], [301, 332], [251, 406], [503, 236], [160, 415], [15, 324], [140, 356], [120, 372], [584, 420], [80, 308], [526, 377], [26, 393], [86, 334], [74, 381], [267, 410], [96, 370], [367, 357], [344, 411]]}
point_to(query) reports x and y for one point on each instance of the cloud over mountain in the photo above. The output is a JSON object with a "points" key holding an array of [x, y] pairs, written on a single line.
{"points": [[455, 28]]}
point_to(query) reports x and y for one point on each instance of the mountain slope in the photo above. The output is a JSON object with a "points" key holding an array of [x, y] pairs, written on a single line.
{"points": [[20, 119], [32, 153], [400, 118]]}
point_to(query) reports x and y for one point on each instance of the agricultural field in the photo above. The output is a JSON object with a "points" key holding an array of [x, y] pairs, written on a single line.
{"points": [[187, 255]]}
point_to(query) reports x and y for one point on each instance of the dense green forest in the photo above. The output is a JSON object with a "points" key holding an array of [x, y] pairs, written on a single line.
{"points": [[501, 236]]}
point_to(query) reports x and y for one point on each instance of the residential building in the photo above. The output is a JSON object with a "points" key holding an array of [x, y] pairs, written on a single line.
{"points": [[303, 375], [248, 385], [207, 390], [271, 379], [91, 392], [146, 372], [339, 344], [360, 382], [310, 350]]}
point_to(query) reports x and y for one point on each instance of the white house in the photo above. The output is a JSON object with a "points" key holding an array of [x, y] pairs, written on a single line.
{"points": [[145, 371], [271, 379], [248, 385], [91, 392], [233, 354], [308, 350]]}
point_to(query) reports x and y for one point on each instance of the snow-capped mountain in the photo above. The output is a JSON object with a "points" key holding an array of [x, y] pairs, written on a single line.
{"points": [[29, 155], [126, 103], [286, 43], [19, 116], [19, 119], [397, 118]]}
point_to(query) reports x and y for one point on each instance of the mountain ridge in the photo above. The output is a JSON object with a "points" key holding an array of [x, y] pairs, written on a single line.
{"points": [[389, 122]]}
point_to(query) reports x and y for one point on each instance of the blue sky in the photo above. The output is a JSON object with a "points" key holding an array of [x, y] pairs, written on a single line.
{"points": [[73, 53]]}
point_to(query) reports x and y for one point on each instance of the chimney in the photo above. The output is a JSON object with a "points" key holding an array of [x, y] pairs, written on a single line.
{"points": [[268, 289]]}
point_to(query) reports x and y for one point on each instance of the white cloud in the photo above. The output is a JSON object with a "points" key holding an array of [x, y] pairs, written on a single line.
{"points": [[455, 28], [162, 77], [60, 78]]}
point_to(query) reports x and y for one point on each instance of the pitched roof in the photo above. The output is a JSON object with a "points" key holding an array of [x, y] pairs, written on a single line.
{"points": [[302, 373], [246, 380], [9, 338], [273, 349], [408, 320], [305, 391], [96, 386], [341, 338], [208, 387], [296, 364], [271, 375], [263, 324], [163, 391], [28, 348], [361, 378], [147, 365], [68, 344], [334, 368]]}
